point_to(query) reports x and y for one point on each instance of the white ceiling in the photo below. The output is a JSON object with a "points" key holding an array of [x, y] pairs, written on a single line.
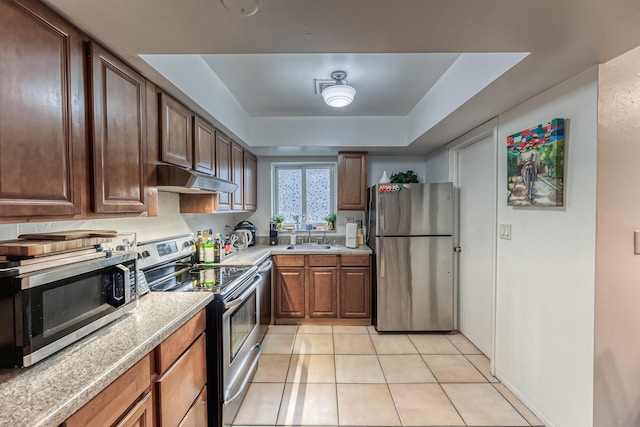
{"points": [[263, 66], [283, 84]]}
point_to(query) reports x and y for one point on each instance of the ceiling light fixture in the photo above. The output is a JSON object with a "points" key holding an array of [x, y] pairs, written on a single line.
{"points": [[339, 94], [242, 7]]}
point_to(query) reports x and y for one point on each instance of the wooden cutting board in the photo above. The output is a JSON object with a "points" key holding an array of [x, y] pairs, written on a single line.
{"points": [[69, 235], [39, 247]]}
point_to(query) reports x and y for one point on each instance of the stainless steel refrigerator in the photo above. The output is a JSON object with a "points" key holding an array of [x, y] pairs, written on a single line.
{"points": [[410, 231]]}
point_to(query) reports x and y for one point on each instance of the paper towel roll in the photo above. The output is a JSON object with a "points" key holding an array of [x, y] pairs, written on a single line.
{"points": [[351, 235]]}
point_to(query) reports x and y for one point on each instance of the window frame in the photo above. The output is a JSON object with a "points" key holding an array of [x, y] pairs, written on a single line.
{"points": [[333, 186]]}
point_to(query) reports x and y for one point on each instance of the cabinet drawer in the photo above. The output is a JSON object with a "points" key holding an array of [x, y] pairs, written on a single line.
{"points": [[171, 348], [181, 385], [112, 402], [289, 260], [197, 415], [358, 260], [323, 260]]}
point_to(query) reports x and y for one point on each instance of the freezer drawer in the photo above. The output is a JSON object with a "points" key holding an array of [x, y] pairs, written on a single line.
{"points": [[414, 286]]}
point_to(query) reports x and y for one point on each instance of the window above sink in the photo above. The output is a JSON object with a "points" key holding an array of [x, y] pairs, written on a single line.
{"points": [[303, 193]]}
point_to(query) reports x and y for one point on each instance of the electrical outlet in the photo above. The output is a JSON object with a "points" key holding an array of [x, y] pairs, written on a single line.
{"points": [[505, 231], [636, 242]]}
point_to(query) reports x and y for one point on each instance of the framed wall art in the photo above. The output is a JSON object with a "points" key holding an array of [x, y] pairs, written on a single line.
{"points": [[535, 165]]}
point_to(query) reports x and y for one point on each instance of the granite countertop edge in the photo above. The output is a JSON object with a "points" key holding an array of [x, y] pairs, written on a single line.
{"points": [[256, 254], [34, 396]]}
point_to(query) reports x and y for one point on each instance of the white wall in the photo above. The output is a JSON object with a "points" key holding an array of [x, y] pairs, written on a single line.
{"points": [[378, 164], [169, 222], [437, 166], [545, 274]]}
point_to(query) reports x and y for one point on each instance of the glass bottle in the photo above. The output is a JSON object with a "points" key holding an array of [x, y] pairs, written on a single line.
{"points": [[198, 255], [217, 249], [208, 249]]}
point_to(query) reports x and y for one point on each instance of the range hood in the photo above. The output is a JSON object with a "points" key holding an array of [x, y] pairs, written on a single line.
{"points": [[175, 179]]}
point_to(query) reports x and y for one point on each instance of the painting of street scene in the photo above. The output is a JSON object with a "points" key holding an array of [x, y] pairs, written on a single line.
{"points": [[535, 165]]}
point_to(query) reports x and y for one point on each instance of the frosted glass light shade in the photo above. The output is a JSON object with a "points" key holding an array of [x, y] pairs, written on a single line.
{"points": [[338, 95]]}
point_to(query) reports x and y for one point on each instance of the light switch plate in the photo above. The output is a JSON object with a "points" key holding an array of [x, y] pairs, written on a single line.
{"points": [[636, 242], [505, 231]]}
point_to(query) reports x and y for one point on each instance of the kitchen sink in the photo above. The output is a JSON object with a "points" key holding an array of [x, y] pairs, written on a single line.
{"points": [[309, 247]]}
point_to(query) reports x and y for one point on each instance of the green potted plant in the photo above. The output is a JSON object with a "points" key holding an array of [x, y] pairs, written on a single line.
{"points": [[278, 219], [404, 177], [331, 221]]}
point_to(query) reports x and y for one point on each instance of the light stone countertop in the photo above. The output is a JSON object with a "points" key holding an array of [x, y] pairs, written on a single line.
{"points": [[50, 391], [254, 255]]}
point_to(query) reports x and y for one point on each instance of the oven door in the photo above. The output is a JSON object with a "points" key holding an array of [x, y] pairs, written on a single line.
{"points": [[240, 344]]}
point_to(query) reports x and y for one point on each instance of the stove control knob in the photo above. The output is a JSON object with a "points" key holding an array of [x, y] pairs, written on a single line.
{"points": [[145, 254], [187, 244]]}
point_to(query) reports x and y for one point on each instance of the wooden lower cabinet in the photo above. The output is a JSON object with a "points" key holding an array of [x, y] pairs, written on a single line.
{"points": [[323, 291], [167, 387], [197, 415], [320, 288], [180, 386], [355, 292], [113, 403], [140, 415], [290, 292]]}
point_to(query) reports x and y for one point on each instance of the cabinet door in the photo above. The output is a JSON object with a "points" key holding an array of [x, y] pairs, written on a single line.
{"points": [[140, 415], [355, 292], [204, 146], [119, 135], [223, 167], [290, 292], [42, 112], [175, 132], [237, 160], [250, 182], [323, 292], [352, 181], [197, 415]]}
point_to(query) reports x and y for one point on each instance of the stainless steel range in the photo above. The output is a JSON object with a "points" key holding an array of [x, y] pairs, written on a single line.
{"points": [[233, 317]]}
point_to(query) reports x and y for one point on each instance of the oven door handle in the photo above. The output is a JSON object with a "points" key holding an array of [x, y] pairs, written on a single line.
{"points": [[247, 379], [243, 296], [265, 267]]}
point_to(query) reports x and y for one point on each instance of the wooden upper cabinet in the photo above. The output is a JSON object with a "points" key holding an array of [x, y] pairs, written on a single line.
{"points": [[42, 112], [204, 146], [237, 176], [223, 167], [119, 134], [176, 138], [352, 181], [250, 182]]}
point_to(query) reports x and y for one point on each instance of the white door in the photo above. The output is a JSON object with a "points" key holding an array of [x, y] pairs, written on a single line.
{"points": [[476, 182]]}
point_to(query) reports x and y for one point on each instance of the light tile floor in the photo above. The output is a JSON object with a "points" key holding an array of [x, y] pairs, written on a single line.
{"points": [[352, 376]]}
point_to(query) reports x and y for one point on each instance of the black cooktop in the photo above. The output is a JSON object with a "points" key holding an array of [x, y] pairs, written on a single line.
{"points": [[220, 280]]}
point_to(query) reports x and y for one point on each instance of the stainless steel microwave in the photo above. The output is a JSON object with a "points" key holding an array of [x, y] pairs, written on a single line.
{"points": [[46, 310]]}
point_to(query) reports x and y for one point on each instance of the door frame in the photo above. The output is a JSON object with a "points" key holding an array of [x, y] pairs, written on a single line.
{"points": [[488, 129]]}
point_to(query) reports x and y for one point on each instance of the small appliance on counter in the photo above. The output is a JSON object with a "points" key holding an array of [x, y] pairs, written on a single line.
{"points": [[59, 287], [273, 234], [351, 235], [246, 225]]}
